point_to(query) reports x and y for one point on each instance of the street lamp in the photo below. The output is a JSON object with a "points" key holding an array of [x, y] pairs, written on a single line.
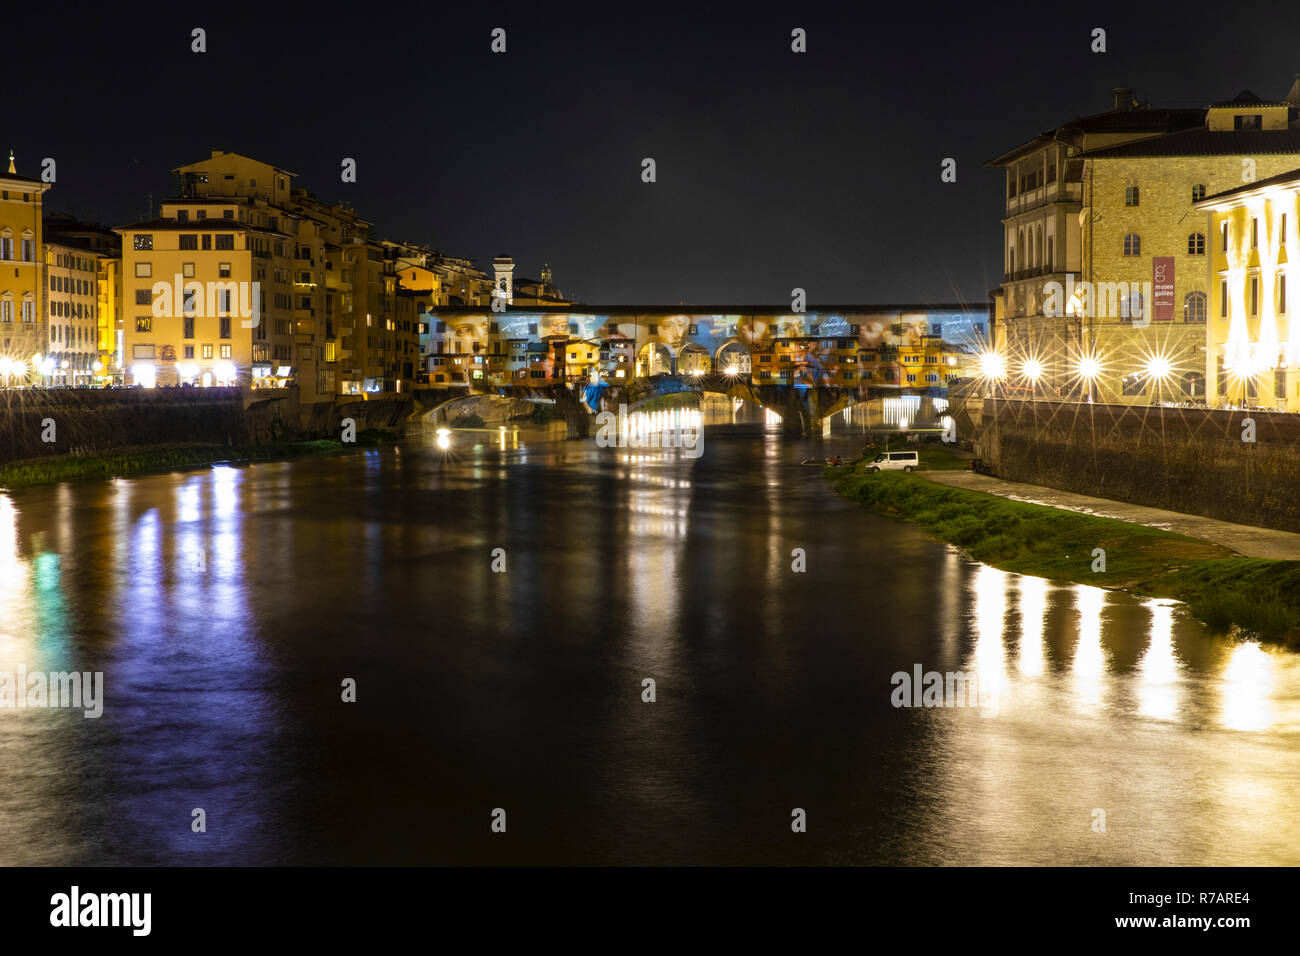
{"points": [[1032, 369], [1088, 369], [1158, 369]]}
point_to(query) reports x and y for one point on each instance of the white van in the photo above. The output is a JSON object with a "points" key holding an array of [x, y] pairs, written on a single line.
{"points": [[895, 461]]}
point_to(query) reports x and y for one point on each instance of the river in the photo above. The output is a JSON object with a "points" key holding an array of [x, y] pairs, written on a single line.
{"points": [[226, 607]]}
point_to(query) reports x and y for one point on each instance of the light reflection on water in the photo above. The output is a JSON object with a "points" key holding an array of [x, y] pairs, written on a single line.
{"points": [[225, 606]]}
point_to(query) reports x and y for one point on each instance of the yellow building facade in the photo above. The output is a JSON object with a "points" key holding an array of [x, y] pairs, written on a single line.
{"points": [[1147, 251], [1252, 355], [23, 328]]}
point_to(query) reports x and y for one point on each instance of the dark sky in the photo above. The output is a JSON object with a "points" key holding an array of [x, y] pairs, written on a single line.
{"points": [[775, 170]]}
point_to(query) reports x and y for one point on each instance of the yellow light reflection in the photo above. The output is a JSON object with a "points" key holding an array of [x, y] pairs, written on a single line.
{"points": [[1247, 687], [1033, 612], [1089, 665], [1159, 667]]}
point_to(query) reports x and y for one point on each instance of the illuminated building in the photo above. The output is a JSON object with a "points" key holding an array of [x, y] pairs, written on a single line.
{"points": [[73, 247], [858, 346], [72, 313], [1146, 248], [1104, 254], [23, 326], [1252, 352]]}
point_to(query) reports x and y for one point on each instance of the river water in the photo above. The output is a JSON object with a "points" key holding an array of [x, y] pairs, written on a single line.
{"points": [[226, 607]]}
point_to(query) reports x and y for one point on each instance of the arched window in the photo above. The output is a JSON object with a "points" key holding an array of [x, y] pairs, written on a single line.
{"points": [[1132, 244], [1194, 306], [1194, 384], [1198, 193], [1130, 307], [1130, 195], [1196, 244]]}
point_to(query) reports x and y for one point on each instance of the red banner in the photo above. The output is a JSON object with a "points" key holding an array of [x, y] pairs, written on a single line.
{"points": [[1162, 288]]}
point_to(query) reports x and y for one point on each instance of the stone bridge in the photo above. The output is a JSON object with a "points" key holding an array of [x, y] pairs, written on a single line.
{"points": [[802, 407]]}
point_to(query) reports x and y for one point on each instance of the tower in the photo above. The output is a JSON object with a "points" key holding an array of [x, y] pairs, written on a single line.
{"points": [[503, 268]]}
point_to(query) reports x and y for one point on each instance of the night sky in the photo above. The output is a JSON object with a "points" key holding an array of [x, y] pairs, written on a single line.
{"points": [[775, 169]]}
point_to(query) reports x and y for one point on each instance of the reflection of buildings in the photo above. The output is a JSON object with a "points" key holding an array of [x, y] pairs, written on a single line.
{"points": [[889, 347]]}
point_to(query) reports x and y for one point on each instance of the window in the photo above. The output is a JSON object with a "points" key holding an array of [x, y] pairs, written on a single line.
{"points": [[188, 331], [1248, 121], [1220, 377], [144, 270], [29, 250], [207, 351], [1132, 244], [143, 297], [1194, 385], [1130, 195], [143, 324], [226, 241], [1254, 295], [225, 329], [1279, 383], [1223, 233], [653, 329], [1196, 244], [1198, 192], [142, 351], [187, 269], [1223, 298], [143, 241], [1254, 233], [188, 351], [1281, 294], [1130, 307], [189, 240], [228, 213], [1194, 307], [182, 215], [207, 241], [225, 351], [201, 214]]}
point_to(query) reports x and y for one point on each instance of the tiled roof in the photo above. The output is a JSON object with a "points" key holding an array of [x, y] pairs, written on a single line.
{"points": [[1280, 179], [1207, 142]]}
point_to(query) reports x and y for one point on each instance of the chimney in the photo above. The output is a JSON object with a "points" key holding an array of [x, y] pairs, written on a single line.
{"points": [[1123, 97]]}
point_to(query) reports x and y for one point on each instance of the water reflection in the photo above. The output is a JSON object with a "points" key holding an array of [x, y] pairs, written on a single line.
{"points": [[226, 606]]}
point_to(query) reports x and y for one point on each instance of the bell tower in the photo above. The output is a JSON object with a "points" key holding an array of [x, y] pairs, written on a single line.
{"points": [[503, 268]]}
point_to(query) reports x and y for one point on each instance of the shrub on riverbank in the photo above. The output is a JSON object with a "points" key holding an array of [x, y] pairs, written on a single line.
{"points": [[1257, 595]]}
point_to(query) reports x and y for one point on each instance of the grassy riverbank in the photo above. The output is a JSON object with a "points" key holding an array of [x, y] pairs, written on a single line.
{"points": [[145, 460], [1260, 596]]}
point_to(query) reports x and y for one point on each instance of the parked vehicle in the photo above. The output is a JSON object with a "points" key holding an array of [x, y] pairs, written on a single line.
{"points": [[895, 461]]}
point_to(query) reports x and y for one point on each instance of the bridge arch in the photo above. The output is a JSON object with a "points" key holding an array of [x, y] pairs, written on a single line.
{"points": [[734, 354], [693, 359], [655, 358]]}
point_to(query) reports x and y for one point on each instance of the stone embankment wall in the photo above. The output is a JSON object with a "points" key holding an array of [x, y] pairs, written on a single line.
{"points": [[98, 421], [1241, 466]]}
